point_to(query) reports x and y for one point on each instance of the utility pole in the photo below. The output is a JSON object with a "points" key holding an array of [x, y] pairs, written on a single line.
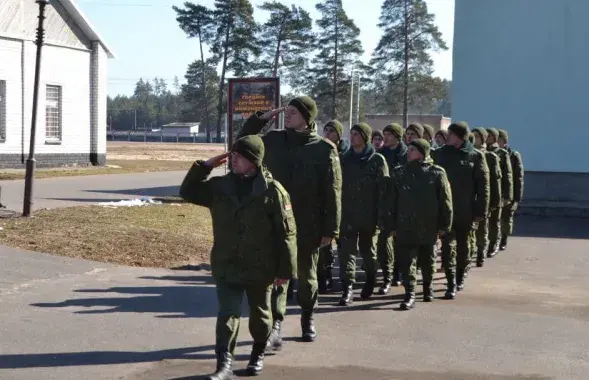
{"points": [[406, 67], [351, 97], [358, 103], [135, 125], [31, 163]]}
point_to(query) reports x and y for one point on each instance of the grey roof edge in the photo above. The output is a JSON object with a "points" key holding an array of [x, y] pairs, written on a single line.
{"points": [[87, 28]]}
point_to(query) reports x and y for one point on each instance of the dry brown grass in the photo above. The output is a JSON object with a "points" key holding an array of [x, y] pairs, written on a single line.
{"points": [[168, 235], [126, 157]]}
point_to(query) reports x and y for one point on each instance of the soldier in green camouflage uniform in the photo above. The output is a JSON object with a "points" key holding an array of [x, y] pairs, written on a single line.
{"points": [[363, 173], [428, 133], [254, 244], [394, 151], [308, 167], [506, 190], [518, 189], [482, 238], [417, 209], [332, 131], [468, 174]]}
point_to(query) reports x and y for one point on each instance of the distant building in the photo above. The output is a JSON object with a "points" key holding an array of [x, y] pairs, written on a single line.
{"points": [[187, 128], [71, 118]]}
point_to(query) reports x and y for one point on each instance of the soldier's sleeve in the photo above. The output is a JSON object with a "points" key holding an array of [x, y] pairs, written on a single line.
{"points": [[382, 175], [495, 182], [388, 208], [482, 187], [507, 190], [195, 188], [445, 207], [285, 233], [518, 177], [333, 196], [253, 125]]}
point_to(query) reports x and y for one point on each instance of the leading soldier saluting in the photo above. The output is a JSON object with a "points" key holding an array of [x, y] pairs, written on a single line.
{"points": [[254, 244]]}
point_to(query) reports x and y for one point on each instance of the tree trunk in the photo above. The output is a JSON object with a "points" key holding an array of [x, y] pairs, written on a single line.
{"points": [[277, 55], [204, 89], [221, 86], [406, 67], [334, 85]]}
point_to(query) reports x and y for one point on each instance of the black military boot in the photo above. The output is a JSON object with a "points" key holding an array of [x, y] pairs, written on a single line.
{"points": [[409, 300], [460, 279], [256, 363], [451, 285], [224, 371], [428, 292], [385, 287], [347, 296], [368, 289], [275, 339], [309, 333], [480, 258], [503, 243], [492, 251]]}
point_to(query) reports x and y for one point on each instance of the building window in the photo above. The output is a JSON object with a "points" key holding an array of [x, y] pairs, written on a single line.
{"points": [[53, 113], [2, 110]]}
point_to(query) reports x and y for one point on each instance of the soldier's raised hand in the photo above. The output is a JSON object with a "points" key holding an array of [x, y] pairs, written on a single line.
{"points": [[215, 162], [272, 113]]}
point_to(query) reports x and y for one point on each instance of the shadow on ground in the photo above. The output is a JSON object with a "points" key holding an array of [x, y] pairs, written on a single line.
{"points": [[163, 191], [551, 227]]}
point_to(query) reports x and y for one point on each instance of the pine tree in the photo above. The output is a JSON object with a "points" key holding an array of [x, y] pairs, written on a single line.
{"points": [[234, 44], [196, 21], [409, 33], [285, 39], [339, 51], [192, 90]]}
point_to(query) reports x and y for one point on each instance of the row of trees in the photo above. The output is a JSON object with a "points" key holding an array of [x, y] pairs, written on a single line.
{"points": [[311, 60]]}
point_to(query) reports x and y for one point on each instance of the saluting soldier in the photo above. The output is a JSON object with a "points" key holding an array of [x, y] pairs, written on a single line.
{"points": [[394, 151], [506, 190], [254, 244], [468, 174], [417, 209], [308, 167], [482, 232], [518, 188], [363, 173]]}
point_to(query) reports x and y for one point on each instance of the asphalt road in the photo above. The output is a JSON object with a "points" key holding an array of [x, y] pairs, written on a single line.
{"points": [[525, 315], [80, 190]]}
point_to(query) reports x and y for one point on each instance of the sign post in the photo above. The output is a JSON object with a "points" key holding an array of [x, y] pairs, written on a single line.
{"points": [[246, 96]]}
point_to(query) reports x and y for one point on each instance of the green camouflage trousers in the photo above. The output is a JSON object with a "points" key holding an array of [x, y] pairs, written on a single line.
{"points": [[507, 220], [386, 255], [494, 229], [350, 243], [230, 297], [409, 256]]}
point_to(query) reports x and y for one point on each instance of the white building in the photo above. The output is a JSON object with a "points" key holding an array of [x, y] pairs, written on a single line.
{"points": [[521, 65], [182, 128], [71, 118]]}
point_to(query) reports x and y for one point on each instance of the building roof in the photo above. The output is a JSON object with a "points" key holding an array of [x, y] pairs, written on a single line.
{"points": [[87, 28]]}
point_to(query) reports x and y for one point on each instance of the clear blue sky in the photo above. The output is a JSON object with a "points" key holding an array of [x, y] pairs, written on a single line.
{"points": [[148, 42]]}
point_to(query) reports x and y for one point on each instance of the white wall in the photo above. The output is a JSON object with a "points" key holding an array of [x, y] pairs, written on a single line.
{"points": [[522, 65], [65, 67]]}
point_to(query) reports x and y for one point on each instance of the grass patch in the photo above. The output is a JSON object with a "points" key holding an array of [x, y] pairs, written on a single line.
{"points": [[166, 236]]}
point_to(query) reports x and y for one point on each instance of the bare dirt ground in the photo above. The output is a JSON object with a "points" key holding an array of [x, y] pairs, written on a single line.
{"points": [[121, 150]]}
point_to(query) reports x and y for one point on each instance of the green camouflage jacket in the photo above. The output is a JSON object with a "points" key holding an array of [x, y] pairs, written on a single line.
{"points": [[255, 237], [517, 165], [395, 157], [418, 203], [308, 167], [494, 178], [363, 176], [506, 173], [468, 174]]}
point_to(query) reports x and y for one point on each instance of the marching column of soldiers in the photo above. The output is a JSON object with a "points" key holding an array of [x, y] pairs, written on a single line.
{"points": [[387, 196]]}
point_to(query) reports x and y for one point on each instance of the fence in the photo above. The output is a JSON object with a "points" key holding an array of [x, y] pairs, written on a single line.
{"points": [[160, 136]]}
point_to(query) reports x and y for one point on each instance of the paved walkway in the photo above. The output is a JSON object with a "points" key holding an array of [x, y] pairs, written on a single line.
{"points": [[525, 315]]}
